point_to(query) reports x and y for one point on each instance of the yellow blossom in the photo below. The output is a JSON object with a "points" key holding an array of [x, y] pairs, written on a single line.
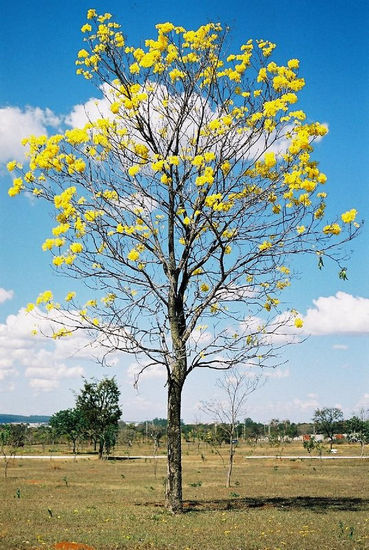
{"points": [[76, 248], [91, 14], [270, 160], [265, 245], [349, 216], [332, 229], [11, 165], [44, 297], [86, 28], [133, 255], [133, 170]]}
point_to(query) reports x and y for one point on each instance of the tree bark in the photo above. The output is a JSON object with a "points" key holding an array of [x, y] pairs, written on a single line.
{"points": [[230, 465], [101, 448], [173, 497]]}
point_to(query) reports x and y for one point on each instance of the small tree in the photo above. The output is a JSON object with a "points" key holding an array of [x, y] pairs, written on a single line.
{"points": [[183, 204], [252, 430], [328, 421], [358, 430], [17, 435], [98, 404], [69, 422], [236, 386]]}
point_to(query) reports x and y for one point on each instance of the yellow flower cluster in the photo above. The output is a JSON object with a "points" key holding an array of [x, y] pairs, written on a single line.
{"points": [[349, 216], [332, 229], [44, 297]]}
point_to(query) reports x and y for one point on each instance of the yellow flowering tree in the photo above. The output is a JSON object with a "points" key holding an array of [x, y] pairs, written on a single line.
{"points": [[184, 206]]}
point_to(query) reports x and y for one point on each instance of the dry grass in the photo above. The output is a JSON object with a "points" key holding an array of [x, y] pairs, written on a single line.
{"points": [[273, 504]]}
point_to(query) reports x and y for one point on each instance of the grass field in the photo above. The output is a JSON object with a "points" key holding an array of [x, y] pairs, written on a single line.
{"points": [[272, 504]]}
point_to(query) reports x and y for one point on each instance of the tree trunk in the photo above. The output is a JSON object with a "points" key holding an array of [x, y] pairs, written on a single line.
{"points": [[173, 497], [101, 448], [230, 465]]}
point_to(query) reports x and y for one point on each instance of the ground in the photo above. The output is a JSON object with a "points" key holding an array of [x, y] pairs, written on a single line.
{"points": [[105, 505]]}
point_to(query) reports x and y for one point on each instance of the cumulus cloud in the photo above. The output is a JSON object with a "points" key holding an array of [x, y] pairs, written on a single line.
{"points": [[339, 314], [276, 373], [45, 362], [297, 408], [43, 384], [92, 110], [17, 123], [363, 403], [144, 371], [5, 295]]}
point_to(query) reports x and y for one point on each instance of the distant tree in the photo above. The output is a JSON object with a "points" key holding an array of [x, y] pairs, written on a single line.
{"points": [[69, 422], [305, 428], [253, 430], [311, 444], [98, 402], [236, 386], [129, 432], [17, 435], [358, 430], [328, 421], [42, 435], [4, 436]]}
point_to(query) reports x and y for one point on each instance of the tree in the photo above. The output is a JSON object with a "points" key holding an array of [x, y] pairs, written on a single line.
{"points": [[181, 204], [236, 386], [98, 405], [253, 430], [358, 429], [69, 422], [328, 422]]}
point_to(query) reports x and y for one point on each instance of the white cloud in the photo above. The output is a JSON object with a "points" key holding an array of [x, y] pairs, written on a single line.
{"points": [[339, 346], [46, 361], [15, 124], [339, 314], [42, 384], [51, 373], [93, 109], [5, 295], [294, 408], [148, 372], [363, 403], [6, 372], [276, 373], [200, 337], [277, 332], [313, 395]]}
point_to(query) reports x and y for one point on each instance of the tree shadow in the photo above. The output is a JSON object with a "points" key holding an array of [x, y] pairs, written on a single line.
{"points": [[315, 504]]}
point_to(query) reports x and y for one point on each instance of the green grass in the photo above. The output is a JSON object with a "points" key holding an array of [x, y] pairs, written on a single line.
{"points": [[272, 504]]}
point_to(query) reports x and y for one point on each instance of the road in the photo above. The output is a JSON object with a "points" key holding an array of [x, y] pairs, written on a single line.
{"points": [[71, 457], [126, 457], [294, 457]]}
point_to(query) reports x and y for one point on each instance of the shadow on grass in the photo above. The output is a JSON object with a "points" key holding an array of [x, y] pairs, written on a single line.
{"points": [[316, 504]]}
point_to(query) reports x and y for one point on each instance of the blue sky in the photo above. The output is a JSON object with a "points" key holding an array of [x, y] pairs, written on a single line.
{"points": [[39, 89]]}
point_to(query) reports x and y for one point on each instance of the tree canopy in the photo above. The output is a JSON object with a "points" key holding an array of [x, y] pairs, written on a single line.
{"points": [[98, 405], [328, 421]]}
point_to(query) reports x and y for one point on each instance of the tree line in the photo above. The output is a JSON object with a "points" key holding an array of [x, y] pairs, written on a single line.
{"points": [[95, 421]]}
